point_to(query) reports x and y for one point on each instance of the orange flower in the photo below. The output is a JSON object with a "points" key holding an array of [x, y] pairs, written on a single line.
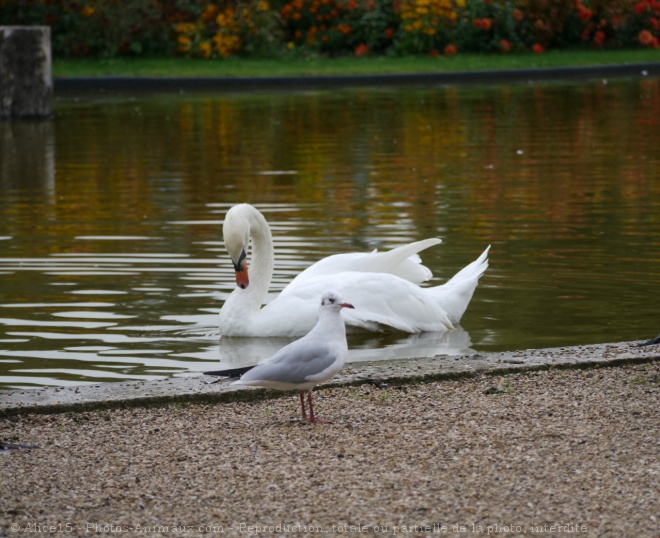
{"points": [[209, 13], [538, 48], [344, 28], [450, 50], [518, 15], [361, 50]]}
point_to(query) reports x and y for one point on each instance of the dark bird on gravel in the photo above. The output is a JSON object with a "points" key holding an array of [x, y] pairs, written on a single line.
{"points": [[5, 447], [651, 342]]}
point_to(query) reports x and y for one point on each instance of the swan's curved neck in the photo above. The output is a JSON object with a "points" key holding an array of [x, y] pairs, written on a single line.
{"points": [[261, 262], [241, 307]]}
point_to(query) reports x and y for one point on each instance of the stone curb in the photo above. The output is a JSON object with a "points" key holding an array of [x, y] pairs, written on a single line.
{"points": [[229, 83], [201, 388]]}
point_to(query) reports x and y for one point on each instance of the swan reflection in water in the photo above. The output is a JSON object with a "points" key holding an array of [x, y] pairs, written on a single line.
{"points": [[240, 352]]}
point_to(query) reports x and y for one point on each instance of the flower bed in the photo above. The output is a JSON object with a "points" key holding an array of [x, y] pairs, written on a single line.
{"points": [[262, 28]]}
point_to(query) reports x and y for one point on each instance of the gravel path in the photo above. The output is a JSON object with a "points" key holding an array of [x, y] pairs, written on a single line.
{"points": [[553, 453]]}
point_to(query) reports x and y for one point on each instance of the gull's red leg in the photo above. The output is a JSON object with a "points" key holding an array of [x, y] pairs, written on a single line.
{"points": [[302, 404], [312, 418]]}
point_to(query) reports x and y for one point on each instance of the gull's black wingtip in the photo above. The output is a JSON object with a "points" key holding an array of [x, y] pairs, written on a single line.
{"points": [[230, 372]]}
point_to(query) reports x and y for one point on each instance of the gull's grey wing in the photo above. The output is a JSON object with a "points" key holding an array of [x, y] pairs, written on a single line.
{"points": [[293, 364]]}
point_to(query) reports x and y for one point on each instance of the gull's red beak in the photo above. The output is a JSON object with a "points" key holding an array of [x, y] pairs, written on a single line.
{"points": [[346, 305], [242, 279]]}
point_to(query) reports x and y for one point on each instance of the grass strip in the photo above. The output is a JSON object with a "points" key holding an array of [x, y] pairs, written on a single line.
{"points": [[248, 67]]}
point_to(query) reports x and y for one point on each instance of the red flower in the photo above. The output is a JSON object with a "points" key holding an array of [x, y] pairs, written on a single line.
{"points": [[361, 50], [476, 23], [518, 15], [433, 53], [450, 50], [640, 8], [504, 46], [646, 38], [538, 48], [655, 24], [599, 38], [389, 33], [486, 24], [584, 13], [351, 4]]}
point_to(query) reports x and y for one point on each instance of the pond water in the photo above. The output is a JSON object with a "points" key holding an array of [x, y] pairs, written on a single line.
{"points": [[112, 265]]}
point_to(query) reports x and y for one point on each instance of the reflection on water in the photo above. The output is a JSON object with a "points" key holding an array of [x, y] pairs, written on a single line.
{"points": [[112, 265], [27, 155]]}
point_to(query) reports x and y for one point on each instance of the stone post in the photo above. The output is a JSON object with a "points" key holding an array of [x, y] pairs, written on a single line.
{"points": [[26, 82]]}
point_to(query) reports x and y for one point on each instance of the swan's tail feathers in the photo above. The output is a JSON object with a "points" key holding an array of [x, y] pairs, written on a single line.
{"points": [[402, 261], [455, 295]]}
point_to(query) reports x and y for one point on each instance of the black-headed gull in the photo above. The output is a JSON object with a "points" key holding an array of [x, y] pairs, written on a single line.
{"points": [[303, 364], [384, 284]]}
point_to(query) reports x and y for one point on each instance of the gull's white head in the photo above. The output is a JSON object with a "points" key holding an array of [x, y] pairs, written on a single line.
{"points": [[333, 301]]}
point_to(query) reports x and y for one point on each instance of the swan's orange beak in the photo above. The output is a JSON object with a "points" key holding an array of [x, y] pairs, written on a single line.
{"points": [[242, 279]]}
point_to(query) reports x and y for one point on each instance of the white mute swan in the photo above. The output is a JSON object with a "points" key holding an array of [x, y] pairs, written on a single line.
{"points": [[382, 286]]}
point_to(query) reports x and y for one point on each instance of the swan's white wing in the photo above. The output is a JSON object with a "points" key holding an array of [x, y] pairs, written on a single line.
{"points": [[402, 261], [382, 302]]}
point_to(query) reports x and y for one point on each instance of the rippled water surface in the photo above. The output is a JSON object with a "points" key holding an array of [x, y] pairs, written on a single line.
{"points": [[112, 265]]}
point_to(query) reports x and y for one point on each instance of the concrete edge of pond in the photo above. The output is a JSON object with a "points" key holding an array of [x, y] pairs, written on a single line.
{"points": [[232, 83], [201, 389]]}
